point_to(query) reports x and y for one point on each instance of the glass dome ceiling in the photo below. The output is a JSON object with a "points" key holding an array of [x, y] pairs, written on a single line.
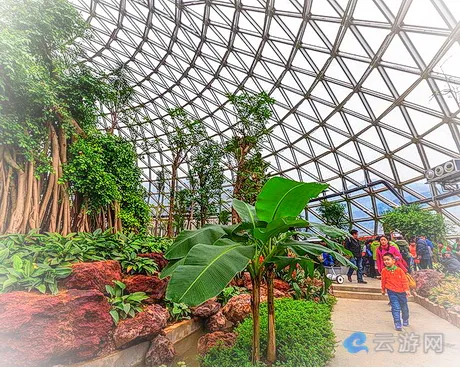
{"points": [[367, 91]]}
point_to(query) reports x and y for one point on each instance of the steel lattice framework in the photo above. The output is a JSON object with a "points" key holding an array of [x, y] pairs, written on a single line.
{"points": [[367, 91]]}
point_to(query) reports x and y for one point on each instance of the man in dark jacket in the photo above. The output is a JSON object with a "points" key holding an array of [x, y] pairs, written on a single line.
{"points": [[352, 244], [423, 253]]}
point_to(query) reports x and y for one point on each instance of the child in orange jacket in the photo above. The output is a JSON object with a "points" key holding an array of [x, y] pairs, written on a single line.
{"points": [[395, 284]]}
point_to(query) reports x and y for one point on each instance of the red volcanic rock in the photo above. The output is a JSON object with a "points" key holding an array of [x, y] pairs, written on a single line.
{"points": [[154, 287], [206, 309], [210, 340], [159, 259], [216, 322], [161, 352], [66, 328], [92, 275], [247, 283], [237, 308], [144, 326], [281, 285]]}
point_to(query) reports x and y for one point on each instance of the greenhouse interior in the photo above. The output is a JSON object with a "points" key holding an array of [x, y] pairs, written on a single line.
{"points": [[229, 183]]}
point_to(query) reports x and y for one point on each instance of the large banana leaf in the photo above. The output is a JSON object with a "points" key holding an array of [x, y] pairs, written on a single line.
{"points": [[206, 272], [187, 239], [314, 250], [282, 197], [330, 231], [245, 211], [172, 265], [279, 226]]}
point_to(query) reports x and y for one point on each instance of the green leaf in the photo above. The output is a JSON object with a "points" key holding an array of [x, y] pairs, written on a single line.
{"points": [[4, 253], [330, 231], [119, 284], [28, 268], [9, 282], [282, 197], [172, 265], [246, 212], [115, 316], [126, 308], [303, 248], [17, 263], [207, 271], [188, 238], [41, 288], [279, 226], [110, 290]]}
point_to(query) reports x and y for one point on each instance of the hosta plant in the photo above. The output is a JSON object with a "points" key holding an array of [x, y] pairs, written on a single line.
{"points": [[123, 304], [177, 311], [202, 262]]}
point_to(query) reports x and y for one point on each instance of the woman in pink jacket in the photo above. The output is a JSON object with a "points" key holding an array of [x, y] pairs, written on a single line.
{"points": [[385, 247]]}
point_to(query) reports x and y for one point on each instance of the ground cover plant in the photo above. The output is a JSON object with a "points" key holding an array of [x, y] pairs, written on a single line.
{"points": [[304, 337], [123, 305], [37, 261]]}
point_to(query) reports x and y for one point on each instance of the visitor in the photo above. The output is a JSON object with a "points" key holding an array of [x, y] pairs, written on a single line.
{"points": [[369, 256], [456, 248], [395, 284], [385, 247], [374, 245], [352, 244], [430, 250], [423, 253], [404, 250], [413, 252]]}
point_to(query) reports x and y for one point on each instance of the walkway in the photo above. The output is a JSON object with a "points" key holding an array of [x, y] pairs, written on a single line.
{"points": [[373, 318]]}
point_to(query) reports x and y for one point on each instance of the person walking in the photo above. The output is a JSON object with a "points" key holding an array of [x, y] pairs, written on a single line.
{"points": [[423, 253], [352, 244], [394, 283], [385, 247]]}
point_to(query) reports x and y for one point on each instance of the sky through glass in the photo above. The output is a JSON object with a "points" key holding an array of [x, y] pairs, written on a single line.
{"points": [[366, 90]]}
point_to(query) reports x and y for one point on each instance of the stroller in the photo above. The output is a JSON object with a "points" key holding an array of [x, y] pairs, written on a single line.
{"points": [[332, 273]]}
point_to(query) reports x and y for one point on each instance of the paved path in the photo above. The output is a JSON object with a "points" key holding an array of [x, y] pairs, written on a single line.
{"points": [[373, 318]]}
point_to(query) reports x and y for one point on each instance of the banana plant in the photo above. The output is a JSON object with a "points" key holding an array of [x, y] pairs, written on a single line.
{"points": [[202, 262]]}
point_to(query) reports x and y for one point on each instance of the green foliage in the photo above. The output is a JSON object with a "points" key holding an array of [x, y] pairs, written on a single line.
{"points": [[334, 214], [103, 169], [183, 202], [42, 259], [124, 305], [411, 220], [40, 75], [253, 177], [224, 217], [447, 293], [206, 177], [227, 293], [204, 261], [304, 337], [178, 311], [253, 112]]}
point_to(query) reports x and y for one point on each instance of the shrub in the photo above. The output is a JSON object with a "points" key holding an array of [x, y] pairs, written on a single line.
{"points": [[426, 280], [124, 305], [447, 293], [304, 337]]}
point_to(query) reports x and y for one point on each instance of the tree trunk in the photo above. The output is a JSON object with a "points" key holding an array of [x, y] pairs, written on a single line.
{"points": [[169, 231], [255, 304], [4, 202], [271, 350]]}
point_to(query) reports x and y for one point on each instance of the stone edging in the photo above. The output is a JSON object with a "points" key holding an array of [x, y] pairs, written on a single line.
{"points": [[135, 355], [439, 310]]}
